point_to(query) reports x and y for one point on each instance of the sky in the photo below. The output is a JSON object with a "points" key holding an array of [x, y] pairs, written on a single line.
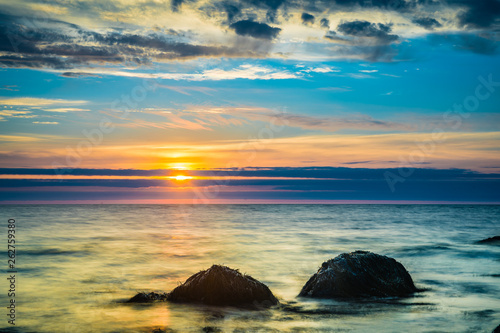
{"points": [[250, 101]]}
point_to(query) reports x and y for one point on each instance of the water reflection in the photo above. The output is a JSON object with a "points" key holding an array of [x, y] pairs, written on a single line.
{"points": [[78, 263]]}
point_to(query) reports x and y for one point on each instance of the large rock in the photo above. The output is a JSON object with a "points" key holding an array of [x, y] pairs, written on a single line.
{"points": [[223, 286], [359, 274], [495, 240]]}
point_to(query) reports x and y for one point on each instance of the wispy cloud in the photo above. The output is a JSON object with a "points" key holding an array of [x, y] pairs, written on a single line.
{"points": [[18, 138], [32, 101], [185, 90], [9, 87], [64, 110], [15, 114], [328, 124], [246, 71], [46, 122]]}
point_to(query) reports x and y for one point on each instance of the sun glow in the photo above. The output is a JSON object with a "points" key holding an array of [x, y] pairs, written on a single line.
{"points": [[182, 177], [179, 166]]}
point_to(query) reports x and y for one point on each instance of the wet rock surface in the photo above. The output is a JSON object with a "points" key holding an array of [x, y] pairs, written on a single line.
{"points": [[223, 286], [359, 274], [495, 240], [147, 298]]}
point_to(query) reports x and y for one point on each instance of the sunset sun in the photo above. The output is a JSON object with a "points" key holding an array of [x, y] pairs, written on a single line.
{"points": [[182, 177]]}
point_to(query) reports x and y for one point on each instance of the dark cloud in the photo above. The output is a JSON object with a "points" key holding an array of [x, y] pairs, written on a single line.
{"points": [[78, 74], [267, 4], [34, 43], [427, 22], [316, 172], [176, 4], [324, 23], [377, 31], [365, 40], [55, 44], [271, 6], [307, 18], [255, 29], [383, 4], [85, 172], [231, 10], [335, 183], [479, 13]]}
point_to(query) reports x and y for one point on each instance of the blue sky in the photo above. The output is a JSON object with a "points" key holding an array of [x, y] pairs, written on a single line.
{"points": [[206, 85]]}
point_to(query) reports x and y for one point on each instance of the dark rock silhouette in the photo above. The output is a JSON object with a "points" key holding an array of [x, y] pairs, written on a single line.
{"points": [[359, 274], [497, 329], [495, 240], [147, 298], [223, 286]]}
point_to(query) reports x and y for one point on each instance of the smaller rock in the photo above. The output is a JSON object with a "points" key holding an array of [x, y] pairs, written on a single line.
{"points": [[497, 330], [147, 298], [495, 240]]}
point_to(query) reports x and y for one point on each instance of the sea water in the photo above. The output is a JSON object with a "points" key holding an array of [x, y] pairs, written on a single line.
{"points": [[76, 264]]}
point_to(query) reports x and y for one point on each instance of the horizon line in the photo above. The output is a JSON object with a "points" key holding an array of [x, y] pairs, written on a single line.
{"points": [[243, 202]]}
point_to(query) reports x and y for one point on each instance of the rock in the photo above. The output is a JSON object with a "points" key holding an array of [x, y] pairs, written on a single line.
{"points": [[495, 240], [359, 274], [223, 286], [147, 298], [497, 329]]}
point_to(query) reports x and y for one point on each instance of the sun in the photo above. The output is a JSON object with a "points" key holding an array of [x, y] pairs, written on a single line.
{"points": [[182, 177]]}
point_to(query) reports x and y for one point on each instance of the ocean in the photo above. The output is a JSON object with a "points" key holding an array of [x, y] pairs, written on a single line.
{"points": [[76, 264]]}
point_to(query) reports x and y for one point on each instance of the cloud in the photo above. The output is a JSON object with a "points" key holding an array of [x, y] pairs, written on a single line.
{"points": [[64, 110], [377, 31], [255, 29], [307, 18], [292, 183], [9, 87], [17, 138], [127, 33], [324, 69], [478, 14], [60, 45], [428, 23], [78, 74], [246, 71], [176, 4], [327, 124], [46, 122], [336, 89], [364, 40], [15, 114], [185, 89], [324, 23], [32, 101]]}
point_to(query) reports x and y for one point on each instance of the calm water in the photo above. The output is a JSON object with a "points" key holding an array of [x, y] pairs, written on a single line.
{"points": [[78, 262]]}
